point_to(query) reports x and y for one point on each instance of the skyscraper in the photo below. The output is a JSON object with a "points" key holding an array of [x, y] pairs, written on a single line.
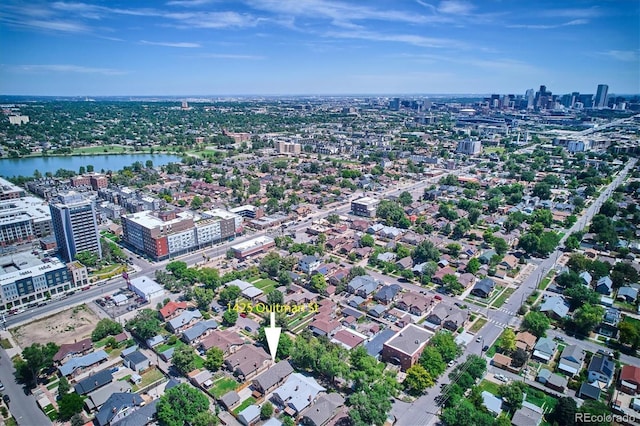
{"points": [[75, 225], [530, 96], [601, 96]]}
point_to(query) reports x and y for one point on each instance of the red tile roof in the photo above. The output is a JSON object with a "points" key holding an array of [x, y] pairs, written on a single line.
{"points": [[630, 373]]}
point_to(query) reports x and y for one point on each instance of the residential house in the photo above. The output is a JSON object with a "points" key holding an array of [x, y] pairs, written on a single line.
{"points": [[501, 361], [362, 285], [483, 288], [96, 399], [171, 309], [229, 400], [272, 378], [509, 262], [377, 311], [527, 415], [604, 285], [466, 279], [601, 369], [609, 325], [405, 263], [571, 360], [555, 307], [627, 294], [552, 380], [154, 341], [492, 403], [93, 382], [183, 321], [545, 349], [247, 362], [441, 273], [201, 378], [386, 257], [405, 347], [118, 406], [228, 341], [588, 390], [250, 415], [136, 361], [630, 379], [525, 340], [309, 264], [447, 316], [296, 394], [414, 303], [198, 330], [75, 366], [347, 339], [325, 408], [486, 256], [67, 350], [387, 293], [143, 416], [322, 327], [586, 278], [375, 345]]}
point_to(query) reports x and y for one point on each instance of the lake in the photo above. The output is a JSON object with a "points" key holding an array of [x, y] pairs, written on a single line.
{"points": [[10, 167]]}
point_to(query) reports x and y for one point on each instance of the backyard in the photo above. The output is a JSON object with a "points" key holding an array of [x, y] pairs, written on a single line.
{"points": [[222, 386]]}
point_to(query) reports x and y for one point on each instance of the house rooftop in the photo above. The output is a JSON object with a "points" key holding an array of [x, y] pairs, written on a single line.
{"points": [[410, 339]]}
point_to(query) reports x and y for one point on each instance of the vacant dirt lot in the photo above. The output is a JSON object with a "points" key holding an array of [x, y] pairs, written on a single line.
{"points": [[64, 327]]}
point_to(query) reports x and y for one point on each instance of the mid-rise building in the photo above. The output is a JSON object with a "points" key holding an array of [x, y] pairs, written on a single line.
{"points": [[75, 225], [469, 147], [288, 147], [253, 246], [23, 219], [160, 235], [9, 191], [365, 206], [26, 280]]}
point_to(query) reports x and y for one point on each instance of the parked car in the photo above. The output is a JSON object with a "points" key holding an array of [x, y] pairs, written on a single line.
{"points": [[485, 348], [479, 339], [451, 363], [1, 386], [6, 398]]}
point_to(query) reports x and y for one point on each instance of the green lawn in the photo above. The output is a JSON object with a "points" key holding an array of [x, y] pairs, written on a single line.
{"points": [[103, 149], [51, 412], [247, 402], [503, 297], [165, 347], [222, 386], [488, 386], [148, 377], [544, 283], [53, 385], [541, 399], [199, 362], [266, 285], [6, 344], [480, 322]]}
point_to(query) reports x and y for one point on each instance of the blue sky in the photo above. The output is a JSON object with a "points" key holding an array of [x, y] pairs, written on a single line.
{"points": [[272, 47]]}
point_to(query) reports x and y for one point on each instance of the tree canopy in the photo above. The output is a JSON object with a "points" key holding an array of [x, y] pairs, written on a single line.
{"points": [[180, 404]]}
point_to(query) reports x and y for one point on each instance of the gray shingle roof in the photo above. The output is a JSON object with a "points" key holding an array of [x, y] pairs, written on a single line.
{"points": [[114, 404], [273, 375], [84, 361], [199, 329], [93, 382]]}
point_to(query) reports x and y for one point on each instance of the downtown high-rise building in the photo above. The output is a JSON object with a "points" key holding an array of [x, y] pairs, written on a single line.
{"points": [[601, 96], [75, 225]]}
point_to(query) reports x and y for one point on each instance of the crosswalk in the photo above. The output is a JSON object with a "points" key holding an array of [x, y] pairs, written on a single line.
{"points": [[498, 323], [507, 311]]}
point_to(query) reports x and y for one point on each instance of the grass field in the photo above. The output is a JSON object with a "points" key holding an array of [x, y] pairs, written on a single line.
{"points": [[488, 386], [247, 402], [6, 344], [544, 283], [266, 285], [541, 399], [222, 386], [148, 377], [480, 322], [503, 297]]}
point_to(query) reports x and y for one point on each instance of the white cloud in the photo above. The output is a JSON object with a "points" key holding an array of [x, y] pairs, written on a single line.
{"points": [[171, 44], [455, 7], [412, 39], [188, 3], [574, 13], [232, 56], [550, 26], [65, 68], [622, 55]]}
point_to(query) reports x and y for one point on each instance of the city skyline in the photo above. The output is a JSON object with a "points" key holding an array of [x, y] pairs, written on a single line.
{"points": [[269, 47]]}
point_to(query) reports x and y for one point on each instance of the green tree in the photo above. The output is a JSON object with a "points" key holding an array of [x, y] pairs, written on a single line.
{"points": [[87, 258], [229, 294], [500, 245], [519, 357], [318, 283], [586, 317], [180, 404], [215, 359], [63, 386], [537, 323], [580, 295], [230, 317], [629, 334], [68, 405], [417, 379], [542, 190], [77, 420], [275, 297], [405, 198], [426, 251], [432, 361], [105, 327], [371, 407], [513, 394], [145, 324], [184, 359], [204, 418], [507, 341], [266, 411], [451, 284], [597, 409], [473, 266], [564, 412], [203, 297], [39, 357], [445, 344], [367, 240]]}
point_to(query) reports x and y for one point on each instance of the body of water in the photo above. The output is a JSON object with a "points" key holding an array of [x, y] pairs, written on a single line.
{"points": [[10, 167]]}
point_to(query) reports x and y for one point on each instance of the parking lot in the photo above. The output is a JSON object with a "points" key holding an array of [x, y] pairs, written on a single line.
{"points": [[120, 302]]}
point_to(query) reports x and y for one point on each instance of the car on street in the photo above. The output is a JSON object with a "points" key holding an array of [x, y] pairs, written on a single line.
{"points": [[451, 363], [6, 398], [501, 377], [1, 386], [485, 348], [479, 339]]}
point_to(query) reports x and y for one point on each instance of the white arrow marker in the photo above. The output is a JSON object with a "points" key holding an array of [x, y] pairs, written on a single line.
{"points": [[273, 336]]}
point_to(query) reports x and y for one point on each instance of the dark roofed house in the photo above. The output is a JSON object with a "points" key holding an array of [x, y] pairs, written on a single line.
{"points": [[93, 382], [571, 360], [82, 347], [273, 377], [483, 288], [604, 285], [387, 293], [374, 346], [118, 406], [323, 410], [229, 400], [143, 416], [377, 311], [136, 361], [199, 330], [247, 362], [627, 294], [588, 390], [77, 365], [601, 369], [528, 415]]}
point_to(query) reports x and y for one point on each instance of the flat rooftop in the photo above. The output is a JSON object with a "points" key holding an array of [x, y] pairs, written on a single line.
{"points": [[22, 265], [25, 208], [410, 339], [147, 219], [255, 242], [366, 200]]}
